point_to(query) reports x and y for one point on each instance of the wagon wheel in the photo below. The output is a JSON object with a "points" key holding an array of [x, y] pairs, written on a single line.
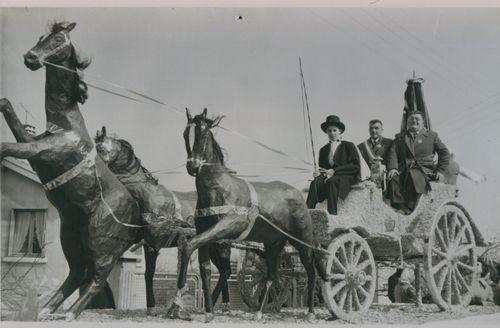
{"points": [[451, 258], [351, 289], [252, 281]]}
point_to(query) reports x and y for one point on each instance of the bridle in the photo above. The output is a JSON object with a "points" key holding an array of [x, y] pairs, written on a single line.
{"points": [[41, 58], [199, 162]]}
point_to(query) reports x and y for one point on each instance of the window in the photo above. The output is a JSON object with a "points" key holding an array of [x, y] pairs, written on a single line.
{"points": [[27, 233]]}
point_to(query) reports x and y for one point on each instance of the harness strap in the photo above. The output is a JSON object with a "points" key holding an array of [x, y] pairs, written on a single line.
{"points": [[253, 212], [87, 162]]}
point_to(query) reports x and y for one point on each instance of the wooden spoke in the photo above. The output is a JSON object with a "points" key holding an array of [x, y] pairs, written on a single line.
{"points": [[438, 252], [440, 239], [461, 279], [357, 255], [363, 291], [338, 264], [348, 306], [438, 266], [456, 288], [355, 298], [448, 288], [350, 254], [459, 235], [338, 287], [342, 298], [343, 255], [338, 276], [460, 250], [445, 229], [465, 266], [441, 279], [363, 265], [451, 232]]}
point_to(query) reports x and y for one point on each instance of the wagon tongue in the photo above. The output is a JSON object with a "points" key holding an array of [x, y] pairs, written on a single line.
{"points": [[414, 100]]}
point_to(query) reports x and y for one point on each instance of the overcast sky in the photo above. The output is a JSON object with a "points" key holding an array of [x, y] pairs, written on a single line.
{"points": [[355, 62]]}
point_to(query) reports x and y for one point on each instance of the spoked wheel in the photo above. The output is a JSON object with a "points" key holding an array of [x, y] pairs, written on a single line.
{"points": [[451, 258], [252, 281], [352, 268]]}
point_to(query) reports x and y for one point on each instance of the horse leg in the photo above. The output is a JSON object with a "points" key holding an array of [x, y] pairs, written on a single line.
{"points": [[75, 253], [220, 256], [23, 150], [205, 274], [229, 227], [272, 256], [307, 258], [103, 263], [150, 256], [13, 122]]}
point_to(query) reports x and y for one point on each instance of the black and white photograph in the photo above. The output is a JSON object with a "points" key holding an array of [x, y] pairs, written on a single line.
{"points": [[211, 163]]}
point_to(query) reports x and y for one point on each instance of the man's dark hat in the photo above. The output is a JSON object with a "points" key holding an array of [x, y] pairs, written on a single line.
{"points": [[333, 120]]}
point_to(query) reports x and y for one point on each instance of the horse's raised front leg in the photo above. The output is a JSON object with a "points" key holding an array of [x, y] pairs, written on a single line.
{"points": [[229, 227], [13, 121], [23, 150]]}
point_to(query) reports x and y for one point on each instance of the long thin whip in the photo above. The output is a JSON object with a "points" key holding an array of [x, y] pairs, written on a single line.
{"points": [[308, 112]]}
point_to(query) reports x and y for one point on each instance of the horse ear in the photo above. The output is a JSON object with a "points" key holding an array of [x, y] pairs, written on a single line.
{"points": [[188, 114], [71, 26], [97, 134], [204, 112], [103, 131]]}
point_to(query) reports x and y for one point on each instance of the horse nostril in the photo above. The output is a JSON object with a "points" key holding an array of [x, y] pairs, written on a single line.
{"points": [[30, 57]]}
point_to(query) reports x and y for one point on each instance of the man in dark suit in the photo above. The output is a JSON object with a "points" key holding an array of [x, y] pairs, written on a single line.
{"points": [[375, 151], [338, 167], [375, 148], [411, 156]]}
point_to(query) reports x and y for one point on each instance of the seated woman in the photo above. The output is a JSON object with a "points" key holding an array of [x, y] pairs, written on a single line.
{"points": [[339, 167]]}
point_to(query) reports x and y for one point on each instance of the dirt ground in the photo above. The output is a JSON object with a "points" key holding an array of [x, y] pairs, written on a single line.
{"points": [[384, 314]]}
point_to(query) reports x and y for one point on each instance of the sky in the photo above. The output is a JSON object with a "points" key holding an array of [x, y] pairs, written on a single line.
{"points": [[355, 62]]}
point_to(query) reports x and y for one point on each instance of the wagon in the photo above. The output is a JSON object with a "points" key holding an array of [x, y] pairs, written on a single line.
{"points": [[439, 232]]}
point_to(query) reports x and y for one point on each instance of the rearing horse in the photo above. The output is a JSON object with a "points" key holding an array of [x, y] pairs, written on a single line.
{"points": [[231, 208], [166, 213], [94, 207]]}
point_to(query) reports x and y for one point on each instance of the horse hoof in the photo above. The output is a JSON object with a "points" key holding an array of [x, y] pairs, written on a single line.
{"points": [[225, 307], [44, 314], [258, 316], [311, 317], [209, 317], [70, 316]]}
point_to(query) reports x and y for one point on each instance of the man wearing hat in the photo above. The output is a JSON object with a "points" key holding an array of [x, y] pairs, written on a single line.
{"points": [[412, 158], [339, 167]]}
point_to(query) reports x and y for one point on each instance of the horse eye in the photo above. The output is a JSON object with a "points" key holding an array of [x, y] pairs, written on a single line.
{"points": [[59, 38]]}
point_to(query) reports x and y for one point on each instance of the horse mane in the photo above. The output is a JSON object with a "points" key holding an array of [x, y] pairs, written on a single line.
{"points": [[81, 64], [218, 151]]}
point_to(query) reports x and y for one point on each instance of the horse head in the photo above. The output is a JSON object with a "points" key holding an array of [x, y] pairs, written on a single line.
{"points": [[107, 147], [201, 147], [55, 48]]}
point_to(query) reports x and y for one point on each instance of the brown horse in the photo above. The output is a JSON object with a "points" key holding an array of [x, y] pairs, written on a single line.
{"points": [[94, 207], [231, 208], [166, 212]]}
